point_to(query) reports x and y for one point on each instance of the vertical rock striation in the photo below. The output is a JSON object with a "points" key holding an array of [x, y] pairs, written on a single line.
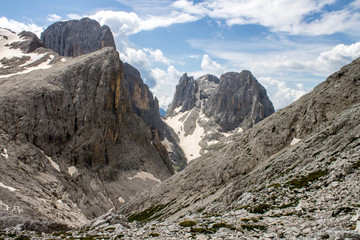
{"points": [[77, 37]]}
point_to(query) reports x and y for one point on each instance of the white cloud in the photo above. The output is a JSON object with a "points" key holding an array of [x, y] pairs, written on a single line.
{"points": [[74, 16], [53, 17], [157, 56], [210, 66], [138, 58], [306, 17], [130, 23], [19, 26], [279, 93], [165, 85], [331, 61]]}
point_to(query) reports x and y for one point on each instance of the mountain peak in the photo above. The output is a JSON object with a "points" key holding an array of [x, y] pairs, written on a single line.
{"points": [[77, 37]]}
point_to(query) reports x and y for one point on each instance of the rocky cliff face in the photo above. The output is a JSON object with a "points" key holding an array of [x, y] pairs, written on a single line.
{"points": [[206, 109], [71, 146], [77, 37], [293, 175], [146, 107]]}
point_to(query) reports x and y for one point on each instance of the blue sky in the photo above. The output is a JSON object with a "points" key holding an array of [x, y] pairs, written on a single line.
{"points": [[289, 46]]}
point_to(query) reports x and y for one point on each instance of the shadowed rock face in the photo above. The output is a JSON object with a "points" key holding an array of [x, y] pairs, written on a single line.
{"points": [[77, 37], [146, 107], [209, 108], [239, 100], [143, 102], [74, 148], [234, 100], [278, 171]]}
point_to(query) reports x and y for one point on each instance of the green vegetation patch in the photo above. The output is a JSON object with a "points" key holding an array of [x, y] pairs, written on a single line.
{"points": [[250, 227], [202, 230], [22, 238], [120, 236], [146, 214], [217, 226], [213, 229], [154, 235], [260, 209], [304, 180], [356, 165], [187, 223]]}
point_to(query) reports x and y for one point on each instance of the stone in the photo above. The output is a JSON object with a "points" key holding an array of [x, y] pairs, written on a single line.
{"points": [[209, 108], [74, 113], [77, 37]]}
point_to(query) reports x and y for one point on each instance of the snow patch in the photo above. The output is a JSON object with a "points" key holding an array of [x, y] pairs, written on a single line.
{"points": [[177, 110], [63, 60], [5, 154], [5, 206], [212, 142], [7, 187], [72, 170], [295, 141], [145, 176], [54, 164], [121, 200], [168, 145], [189, 143], [235, 131], [6, 38]]}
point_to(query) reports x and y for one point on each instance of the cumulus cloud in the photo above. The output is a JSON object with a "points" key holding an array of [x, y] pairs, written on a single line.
{"points": [[279, 93], [210, 66], [331, 61], [53, 17], [135, 57], [19, 26], [157, 56], [291, 16], [130, 23], [165, 85]]}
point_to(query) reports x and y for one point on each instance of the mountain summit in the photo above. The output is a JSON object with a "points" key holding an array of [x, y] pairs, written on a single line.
{"points": [[77, 37], [208, 108]]}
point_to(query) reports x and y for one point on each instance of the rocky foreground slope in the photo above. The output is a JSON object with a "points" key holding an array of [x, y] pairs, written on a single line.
{"points": [[293, 175], [71, 146], [208, 108]]}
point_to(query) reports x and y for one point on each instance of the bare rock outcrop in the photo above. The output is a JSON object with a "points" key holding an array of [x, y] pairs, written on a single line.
{"points": [[71, 146], [77, 37], [208, 108], [276, 176]]}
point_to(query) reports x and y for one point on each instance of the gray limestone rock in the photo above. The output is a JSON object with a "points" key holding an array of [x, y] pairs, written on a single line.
{"points": [[282, 170], [71, 146], [185, 95], [77, 37], [239, 101], [209, 108], [146, 107]]}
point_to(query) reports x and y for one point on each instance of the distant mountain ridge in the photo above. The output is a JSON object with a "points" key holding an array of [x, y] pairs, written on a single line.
{"points": [[208, 108], [294, 175]]}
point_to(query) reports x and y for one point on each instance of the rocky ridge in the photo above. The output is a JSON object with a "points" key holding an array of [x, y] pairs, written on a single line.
{"points": [[208, 108], [294, 175], [77, 37], [147, 108], [71, 146]]}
